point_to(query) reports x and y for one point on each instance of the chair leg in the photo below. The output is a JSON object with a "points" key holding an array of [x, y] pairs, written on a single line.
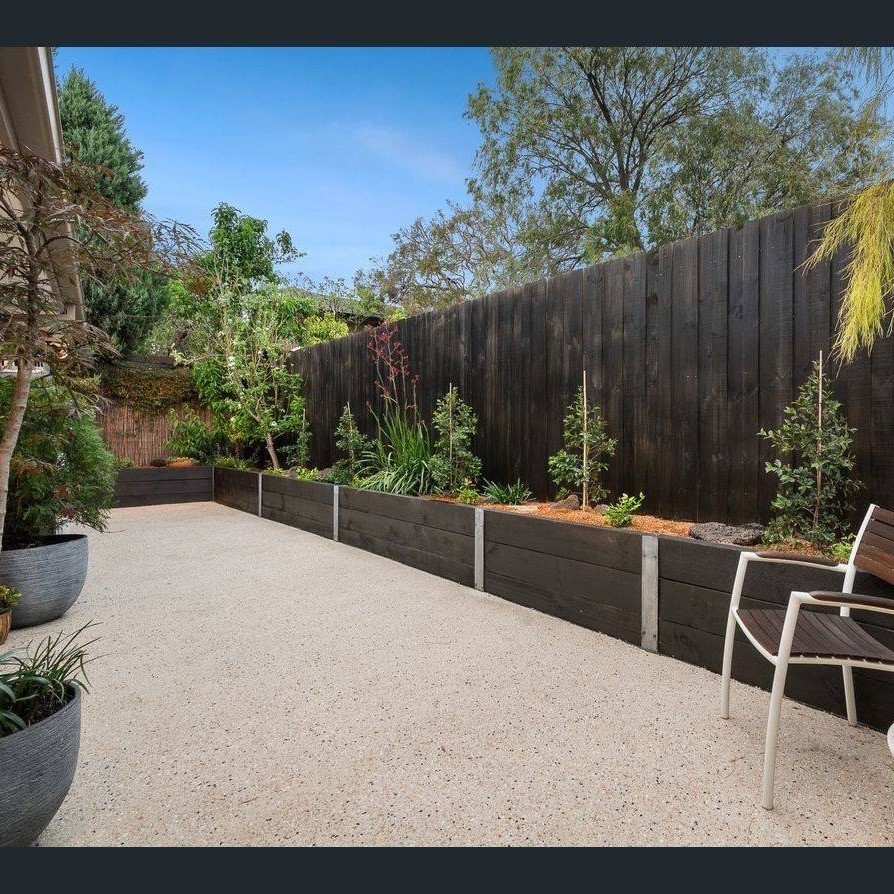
{"points": [[849, 700], [728, 645], [773, 732], [782, 658], [729, 642]]}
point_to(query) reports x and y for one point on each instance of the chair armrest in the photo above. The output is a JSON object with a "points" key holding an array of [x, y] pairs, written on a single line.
{"points": [[799, 557], [854, 599]]}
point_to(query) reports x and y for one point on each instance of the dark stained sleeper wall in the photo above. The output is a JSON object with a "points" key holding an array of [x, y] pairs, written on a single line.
{"points": [[584, 574]]}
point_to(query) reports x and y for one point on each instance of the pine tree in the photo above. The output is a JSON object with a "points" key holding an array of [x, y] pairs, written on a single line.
{"points": [[94, 133]]}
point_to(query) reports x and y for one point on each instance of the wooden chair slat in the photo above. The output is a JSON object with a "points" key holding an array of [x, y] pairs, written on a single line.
{"points": [[817, 635]]}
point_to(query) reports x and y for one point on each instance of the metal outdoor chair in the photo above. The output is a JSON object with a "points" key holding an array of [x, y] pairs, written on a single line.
{"points": [[792, 636]]}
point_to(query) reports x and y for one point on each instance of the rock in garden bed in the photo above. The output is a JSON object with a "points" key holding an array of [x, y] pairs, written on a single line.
{"points": [[737, 535]]}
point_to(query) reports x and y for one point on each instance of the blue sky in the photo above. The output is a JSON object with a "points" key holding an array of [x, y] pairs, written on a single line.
{"points": [[341, 147]]}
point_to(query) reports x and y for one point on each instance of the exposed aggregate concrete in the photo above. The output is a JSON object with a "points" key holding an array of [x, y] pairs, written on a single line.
{"points": [[260, 685]]}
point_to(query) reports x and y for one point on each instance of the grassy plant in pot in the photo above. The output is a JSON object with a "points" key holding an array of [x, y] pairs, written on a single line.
{"points": [[40, 733], [60, 472]]}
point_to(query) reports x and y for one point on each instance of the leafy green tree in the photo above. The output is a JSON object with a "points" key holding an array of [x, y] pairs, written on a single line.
{"points": [[814, 464], [613, 149], [583, 459], [94, 133], [351, 445], [243, 373], [242, 255], [461, 252], [454, 464], [235, 323]]}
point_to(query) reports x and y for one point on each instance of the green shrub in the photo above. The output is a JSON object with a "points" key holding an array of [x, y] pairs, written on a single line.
{"points": [[574, 467], [33, 686], [507, 494], [146, 388], [841, 551], [232, 462], [351, 444], [620, 513], [468, 495], [302, 474], [61, 470], [453, 462], [9, 598], [192, 437], [814, 464]]}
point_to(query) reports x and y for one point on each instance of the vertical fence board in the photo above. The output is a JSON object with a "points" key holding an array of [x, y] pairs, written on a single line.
{"points": [[713, 444], [613, 370], [776, 320], [684, 362], [661, 413], [634, 384]]}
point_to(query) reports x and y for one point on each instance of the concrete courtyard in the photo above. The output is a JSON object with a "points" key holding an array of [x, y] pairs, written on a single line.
{"points": [[255, 684]]}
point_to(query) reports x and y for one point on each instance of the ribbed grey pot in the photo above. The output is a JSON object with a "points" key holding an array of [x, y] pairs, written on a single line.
{"points": [[49, 577], [37, 766]]}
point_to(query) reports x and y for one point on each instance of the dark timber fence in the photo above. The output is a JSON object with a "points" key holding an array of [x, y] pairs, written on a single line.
{"points": [[689, 348]]}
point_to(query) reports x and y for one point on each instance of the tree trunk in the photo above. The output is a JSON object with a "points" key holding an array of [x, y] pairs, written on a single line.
{"points": [[268, 438], [11, 433]]}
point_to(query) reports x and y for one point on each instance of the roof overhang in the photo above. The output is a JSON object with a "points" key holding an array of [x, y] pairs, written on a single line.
{"points": [[29, 120]]}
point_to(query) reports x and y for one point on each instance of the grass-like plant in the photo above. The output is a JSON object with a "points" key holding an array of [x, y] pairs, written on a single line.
{"points": [[620, 513], [507, 494], [814, 464], [454, 463], [400, 459], [33, 685]]}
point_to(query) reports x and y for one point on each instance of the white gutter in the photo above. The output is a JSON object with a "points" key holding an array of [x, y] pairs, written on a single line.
{"points": [[45, 56]]}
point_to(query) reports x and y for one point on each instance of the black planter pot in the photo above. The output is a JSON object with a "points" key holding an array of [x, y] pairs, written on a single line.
{"points": [[37, 766], [49, 577]]}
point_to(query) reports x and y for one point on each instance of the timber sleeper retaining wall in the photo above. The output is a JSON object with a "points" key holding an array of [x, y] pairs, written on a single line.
{"points": [[153, 486], [667, 594]]}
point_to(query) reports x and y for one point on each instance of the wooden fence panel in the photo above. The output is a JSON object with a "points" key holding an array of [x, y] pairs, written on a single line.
{"points": [[689, 350], [136, 435]]}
